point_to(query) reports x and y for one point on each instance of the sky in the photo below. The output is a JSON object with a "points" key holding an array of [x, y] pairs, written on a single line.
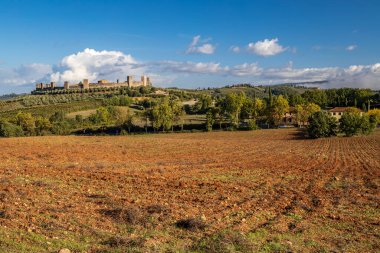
{"points": [[190, 44]]}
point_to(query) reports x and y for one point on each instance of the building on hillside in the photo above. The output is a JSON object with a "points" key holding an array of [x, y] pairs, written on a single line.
{"points": [[103, 81], [85, 84], [290, 118], [337, 112]]}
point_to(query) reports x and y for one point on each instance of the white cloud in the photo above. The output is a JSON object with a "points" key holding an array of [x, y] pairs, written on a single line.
{"points": [[190, 67], [204, 48], [246, 69], [351, 47], [94, 65], [235, 49], [266, 47], [25, 74], [112, 65], [356, 76]]}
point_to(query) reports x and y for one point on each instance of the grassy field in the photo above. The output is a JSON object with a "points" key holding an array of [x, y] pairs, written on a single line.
{"points": [[256, 191]]}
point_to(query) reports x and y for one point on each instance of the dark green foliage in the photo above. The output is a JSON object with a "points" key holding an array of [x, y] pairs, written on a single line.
{"points": [[103, 116], [231, 106], [8, 129], [57, 116], [270, 98], [27, 122], [368, 124], [251, 124], [321, 124], [210, 120], [296, 99], [353, 123], [43, 125], [204, 102], [318, 97], [118, 101], [61, 128]]}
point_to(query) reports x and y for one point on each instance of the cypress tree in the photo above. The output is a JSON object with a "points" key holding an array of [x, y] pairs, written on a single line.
{"points": [[270, 97]]}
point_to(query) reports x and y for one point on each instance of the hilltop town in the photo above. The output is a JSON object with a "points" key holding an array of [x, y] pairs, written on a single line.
{"points": [[86, 85]]}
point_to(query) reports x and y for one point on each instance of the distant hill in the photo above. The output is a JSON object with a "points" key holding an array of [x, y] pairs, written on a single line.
{"points": [[260, 91]]}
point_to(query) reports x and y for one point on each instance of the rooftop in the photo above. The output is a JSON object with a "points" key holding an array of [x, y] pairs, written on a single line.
{"points": [[341, 109]]}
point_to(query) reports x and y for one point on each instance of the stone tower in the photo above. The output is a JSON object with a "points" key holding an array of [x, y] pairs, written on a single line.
{"points": [[130, 81], [86, 84], [143, 80], [66, 85]]}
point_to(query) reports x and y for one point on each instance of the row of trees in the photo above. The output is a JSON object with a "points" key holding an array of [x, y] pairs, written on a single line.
{"points": [[347, 97], [24, 124], [238, 109], [352, 122]]}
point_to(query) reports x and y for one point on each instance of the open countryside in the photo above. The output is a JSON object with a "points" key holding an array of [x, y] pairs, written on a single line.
{"points": [[195, 126]]}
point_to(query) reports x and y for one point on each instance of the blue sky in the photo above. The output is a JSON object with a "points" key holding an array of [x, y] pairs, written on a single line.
{"points": [[190, 43]]}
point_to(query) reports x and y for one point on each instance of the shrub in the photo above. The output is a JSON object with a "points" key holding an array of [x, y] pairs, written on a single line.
{"points": [[43, 125], [353, 123], [210, 120], [350, 123], [8, 129], [129, 215], [61, 128], [26, 121], [252, 124], [191, 224], [321, 125], [375, 115]]}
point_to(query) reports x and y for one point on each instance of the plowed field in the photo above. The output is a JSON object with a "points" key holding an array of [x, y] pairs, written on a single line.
{"points": [[256, 191]]}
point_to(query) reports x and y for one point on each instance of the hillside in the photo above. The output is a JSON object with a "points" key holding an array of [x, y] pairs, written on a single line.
{"points": [[112, 110], [47, 105]]}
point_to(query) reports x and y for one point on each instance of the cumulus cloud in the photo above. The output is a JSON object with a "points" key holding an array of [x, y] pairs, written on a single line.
{"points": [[235, 49], [25, 74], [94, 65], [112, 65], [199, 47], [266, 47], [246, 69], [351, 47]]}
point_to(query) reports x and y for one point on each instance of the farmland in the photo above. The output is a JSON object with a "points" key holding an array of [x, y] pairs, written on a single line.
{"points": [[248, 191]]}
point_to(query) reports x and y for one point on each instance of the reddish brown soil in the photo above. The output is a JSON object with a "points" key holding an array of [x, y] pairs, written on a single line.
{"points": [[279, 192]]}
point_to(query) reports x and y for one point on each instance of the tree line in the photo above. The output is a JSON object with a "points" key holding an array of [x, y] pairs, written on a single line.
{"points": [[235, 110]]}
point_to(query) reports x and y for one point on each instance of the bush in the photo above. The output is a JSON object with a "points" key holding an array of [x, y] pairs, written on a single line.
{"points": [[191, 224], [27, 122], [61, 128], [252, 124], [353, 123], [321, 124], [350, 123], [10, 130]]}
